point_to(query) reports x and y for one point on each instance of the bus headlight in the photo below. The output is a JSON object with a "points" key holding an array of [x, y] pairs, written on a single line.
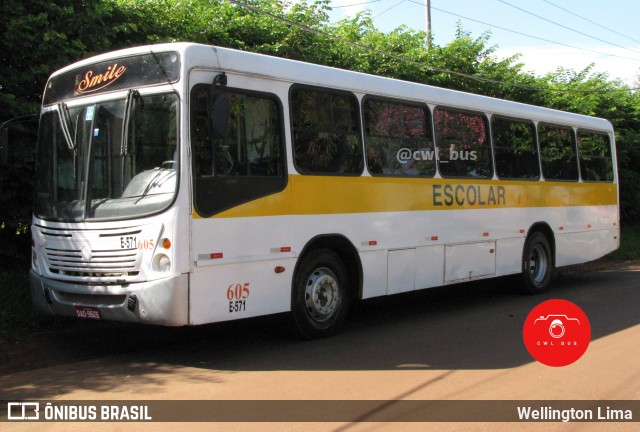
{"points": [[162, 263]]}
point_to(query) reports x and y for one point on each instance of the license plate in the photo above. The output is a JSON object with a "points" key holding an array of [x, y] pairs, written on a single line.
{"points": [[88, 312]]}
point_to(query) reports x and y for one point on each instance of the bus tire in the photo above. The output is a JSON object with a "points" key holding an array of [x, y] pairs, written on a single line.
{"points": [[320, 297], [537, 263]]}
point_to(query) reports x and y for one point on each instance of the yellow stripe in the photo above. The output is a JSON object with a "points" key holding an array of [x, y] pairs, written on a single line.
{"points": [[306, 195]]}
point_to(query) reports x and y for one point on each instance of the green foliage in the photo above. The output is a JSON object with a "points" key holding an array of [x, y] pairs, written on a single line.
{"points": [[629, 244], [16, 312], [16, 185], [218, 22], [628, 152], [36, 38], [40, 36]]}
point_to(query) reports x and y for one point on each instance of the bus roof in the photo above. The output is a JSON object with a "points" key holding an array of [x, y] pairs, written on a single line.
{"points": [[293, 71]]}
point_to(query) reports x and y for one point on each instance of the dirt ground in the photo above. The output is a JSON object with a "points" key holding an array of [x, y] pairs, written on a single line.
{"points": [[73, 340]]}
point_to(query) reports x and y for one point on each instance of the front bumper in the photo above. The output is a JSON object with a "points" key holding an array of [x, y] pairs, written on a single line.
{"points": [[163, 301]]}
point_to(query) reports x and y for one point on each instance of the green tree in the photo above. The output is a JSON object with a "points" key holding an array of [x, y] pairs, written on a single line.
{"points": [[36, 38]]}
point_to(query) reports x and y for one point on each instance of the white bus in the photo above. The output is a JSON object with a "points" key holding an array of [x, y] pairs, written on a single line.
{"points": [[183, 184]]}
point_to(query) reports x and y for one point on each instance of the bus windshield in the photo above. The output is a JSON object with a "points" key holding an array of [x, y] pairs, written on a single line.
{"points": [[108, 160]]}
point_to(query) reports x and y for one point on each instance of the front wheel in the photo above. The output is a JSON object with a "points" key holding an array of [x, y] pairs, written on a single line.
{"points": [[320, 297], [537, 263]]}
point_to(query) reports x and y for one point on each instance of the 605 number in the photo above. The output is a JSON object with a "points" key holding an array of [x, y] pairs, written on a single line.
{"points": [[130, 242], [238, 291]]}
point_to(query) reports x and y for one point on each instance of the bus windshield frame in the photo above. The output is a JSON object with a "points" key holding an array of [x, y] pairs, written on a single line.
{"points": [[109, 159]]}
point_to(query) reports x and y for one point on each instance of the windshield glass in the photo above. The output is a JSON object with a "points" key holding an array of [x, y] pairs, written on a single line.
{"points": [[86, 170]]}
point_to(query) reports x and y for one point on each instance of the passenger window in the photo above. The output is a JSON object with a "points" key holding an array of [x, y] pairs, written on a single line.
{"points": [[463, 145], [398, 139], [244, 164], [326, 131], [515, 149], [596, 163], [558, 151]]}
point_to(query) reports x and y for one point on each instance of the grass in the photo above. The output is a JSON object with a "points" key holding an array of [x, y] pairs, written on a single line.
{"points": [[629, 244], [16, 312], [18, 318]]}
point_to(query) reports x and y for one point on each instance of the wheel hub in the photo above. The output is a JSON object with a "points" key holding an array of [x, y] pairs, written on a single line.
{"points": [[322, 294], [538, 263]]}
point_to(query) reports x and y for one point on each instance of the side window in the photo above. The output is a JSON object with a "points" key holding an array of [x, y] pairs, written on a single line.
{"points": [[515, 149], [558, 151], [464, 148], [596, 163], [392, 128], [326, 131], [244, 164]]}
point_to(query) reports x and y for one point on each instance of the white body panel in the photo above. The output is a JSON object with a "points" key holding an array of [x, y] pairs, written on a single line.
{"points": [[461, 248], [469, 261]]}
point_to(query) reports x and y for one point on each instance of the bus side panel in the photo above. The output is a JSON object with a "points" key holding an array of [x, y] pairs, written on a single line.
{"points": [[235, 259], [374, 271], [240, 290], [509, 256], [401, 270], [581, 247], [430, 270], [469, 261]]}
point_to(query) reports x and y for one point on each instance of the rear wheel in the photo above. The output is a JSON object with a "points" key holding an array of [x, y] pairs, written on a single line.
{"points": [[537, 263], [320, 298]]}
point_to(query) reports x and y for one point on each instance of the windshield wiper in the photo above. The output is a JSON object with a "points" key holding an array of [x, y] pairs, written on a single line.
{"points": [[156, 181], [133, 95], [65, 123]]}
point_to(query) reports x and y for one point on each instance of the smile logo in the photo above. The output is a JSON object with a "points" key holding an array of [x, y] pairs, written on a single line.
{"points": [[93, 81]]}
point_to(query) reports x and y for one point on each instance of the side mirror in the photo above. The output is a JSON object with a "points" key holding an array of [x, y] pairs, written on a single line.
{"points": [[219, 107], [219, 114], [4, 135]]}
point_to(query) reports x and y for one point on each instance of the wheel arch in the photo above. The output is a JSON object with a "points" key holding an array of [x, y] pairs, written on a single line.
{"points": [[347, 252], [545, 229]]}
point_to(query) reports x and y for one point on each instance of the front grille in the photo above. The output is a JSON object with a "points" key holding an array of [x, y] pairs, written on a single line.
{"points": [[103, 263], [91, 255]]}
